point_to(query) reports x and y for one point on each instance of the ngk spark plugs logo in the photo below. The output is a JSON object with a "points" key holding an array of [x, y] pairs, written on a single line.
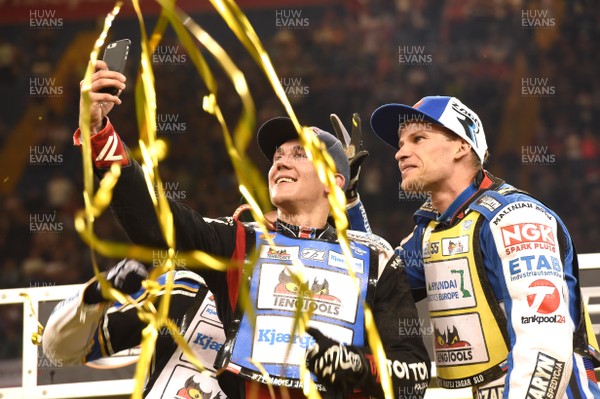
{"points": [[544, 299], [524, 236], [459, 340], [328, 293]]}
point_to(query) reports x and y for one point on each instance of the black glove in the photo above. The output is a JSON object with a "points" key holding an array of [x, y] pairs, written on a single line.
{"points": [[353, 148], [334, 364], [126, 276]]}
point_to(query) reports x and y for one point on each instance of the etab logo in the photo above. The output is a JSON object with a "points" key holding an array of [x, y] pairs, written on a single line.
{"points": [[543, 296], [527, 233]]}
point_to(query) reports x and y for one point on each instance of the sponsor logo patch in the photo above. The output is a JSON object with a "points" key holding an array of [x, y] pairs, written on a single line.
{"points": [[279, 252], [459, 340], [489, 203], [337, 260], [543, 298], [534, 266], [324, 292], [449, 285], [450, 348], [546, 378], [455, 245], [313, 254], [274, 336], [528, 236]]}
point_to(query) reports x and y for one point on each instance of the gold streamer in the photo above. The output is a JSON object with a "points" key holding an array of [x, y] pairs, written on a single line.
{"points": [[236, 145], [36, 337]]}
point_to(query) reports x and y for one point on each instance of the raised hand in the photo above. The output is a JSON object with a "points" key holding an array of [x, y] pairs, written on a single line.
{"points": [[126, 276], [354, 151], [102, 103]]}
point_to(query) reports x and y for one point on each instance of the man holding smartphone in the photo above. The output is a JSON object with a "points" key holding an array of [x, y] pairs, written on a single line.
{"points": [[342, 369]]}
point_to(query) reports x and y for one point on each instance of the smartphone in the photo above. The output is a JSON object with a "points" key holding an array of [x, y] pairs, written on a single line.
{"points": [[115, 55]]}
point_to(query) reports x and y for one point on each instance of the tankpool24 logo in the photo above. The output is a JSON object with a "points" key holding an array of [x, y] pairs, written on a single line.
{"points": [[544, 299]]}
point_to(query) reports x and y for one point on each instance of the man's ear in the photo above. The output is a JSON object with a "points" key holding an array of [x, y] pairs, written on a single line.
{"points": [[463, 149], [339, 180]]}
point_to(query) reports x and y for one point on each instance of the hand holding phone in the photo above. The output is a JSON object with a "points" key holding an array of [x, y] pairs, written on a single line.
{"points": [[115, 56]]}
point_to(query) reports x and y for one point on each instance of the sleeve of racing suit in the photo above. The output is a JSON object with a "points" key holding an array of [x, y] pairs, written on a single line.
{"points": [[69, 333], [398, 324], [521, 243], [77, 333], [133, 207], [357, 216]]}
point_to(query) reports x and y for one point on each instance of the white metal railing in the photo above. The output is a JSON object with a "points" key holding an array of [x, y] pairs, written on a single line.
{"points": [[93, 389]]}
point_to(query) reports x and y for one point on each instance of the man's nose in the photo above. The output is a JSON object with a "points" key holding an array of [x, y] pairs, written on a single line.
{"points": [[401, 154]]}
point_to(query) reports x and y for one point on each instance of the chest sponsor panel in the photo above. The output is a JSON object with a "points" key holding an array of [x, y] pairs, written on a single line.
{"points": [[186, 383], [205, 340], [274, 336], [459, 340], [449, 285], [326, 293]]}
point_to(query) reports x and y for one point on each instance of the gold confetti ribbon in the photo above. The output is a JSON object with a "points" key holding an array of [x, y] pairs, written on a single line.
{"points": [[36, 337], [248, 177]]}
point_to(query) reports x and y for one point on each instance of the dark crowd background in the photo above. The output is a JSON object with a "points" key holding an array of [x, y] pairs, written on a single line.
{"points": [[340, 57]]}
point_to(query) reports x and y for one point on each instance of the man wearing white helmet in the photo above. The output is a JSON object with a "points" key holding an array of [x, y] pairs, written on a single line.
{"points": [[498, 267]]}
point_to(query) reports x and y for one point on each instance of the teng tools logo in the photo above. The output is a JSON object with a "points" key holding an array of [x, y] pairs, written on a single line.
{"points": [[521, 236]]}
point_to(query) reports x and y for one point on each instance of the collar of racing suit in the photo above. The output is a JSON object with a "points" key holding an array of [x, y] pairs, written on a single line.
{"points": [[327, 233]]}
